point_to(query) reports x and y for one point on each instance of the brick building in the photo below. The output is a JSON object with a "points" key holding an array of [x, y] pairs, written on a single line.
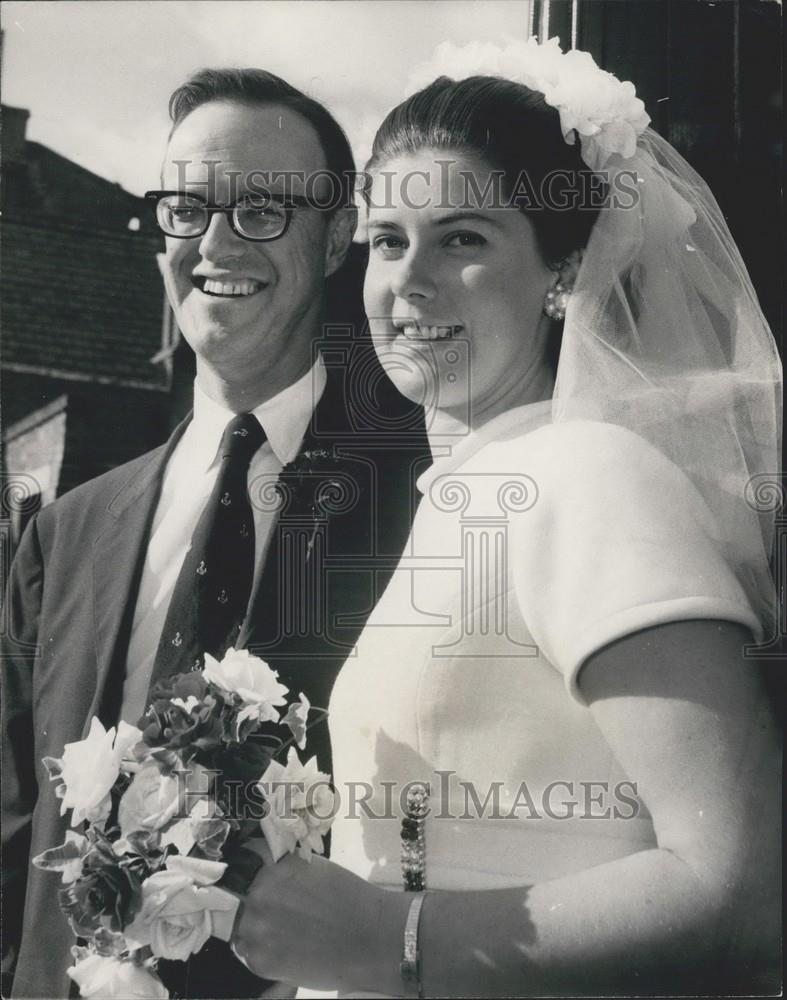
{"points": [[87, 367]]}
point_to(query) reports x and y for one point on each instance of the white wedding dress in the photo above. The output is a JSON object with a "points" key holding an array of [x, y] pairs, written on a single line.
{"points": [[534, 546]]}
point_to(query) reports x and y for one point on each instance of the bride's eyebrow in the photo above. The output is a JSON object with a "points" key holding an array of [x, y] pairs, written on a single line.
{"points": [[449, 220], [381, 224]]}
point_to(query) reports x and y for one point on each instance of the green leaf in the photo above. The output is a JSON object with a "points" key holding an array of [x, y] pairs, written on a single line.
{"points": [[54, 767], [66, 858]]}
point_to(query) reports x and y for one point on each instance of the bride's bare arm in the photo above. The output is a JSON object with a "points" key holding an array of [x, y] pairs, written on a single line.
{"points": [[686, 717]]}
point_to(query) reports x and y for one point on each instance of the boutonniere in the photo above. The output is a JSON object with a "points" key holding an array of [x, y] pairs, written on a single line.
{"points": [[315, 481], [314, 486]]}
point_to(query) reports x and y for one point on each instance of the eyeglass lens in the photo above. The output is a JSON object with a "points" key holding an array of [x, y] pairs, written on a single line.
{"points": [[255, 217]]}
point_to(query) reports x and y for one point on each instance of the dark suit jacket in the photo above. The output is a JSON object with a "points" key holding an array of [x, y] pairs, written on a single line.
{"points": [[70, 600]]}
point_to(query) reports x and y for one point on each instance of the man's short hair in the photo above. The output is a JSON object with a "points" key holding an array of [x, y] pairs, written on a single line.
{"points": [[259, 87]]}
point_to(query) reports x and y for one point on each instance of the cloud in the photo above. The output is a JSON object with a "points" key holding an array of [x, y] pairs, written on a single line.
{"points": [[96, 75], [131, 160], [358, 58]]}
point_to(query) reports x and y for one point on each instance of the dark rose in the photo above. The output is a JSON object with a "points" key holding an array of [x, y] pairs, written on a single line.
{"points": [[105, 889], [202, 726], [180, 686]]}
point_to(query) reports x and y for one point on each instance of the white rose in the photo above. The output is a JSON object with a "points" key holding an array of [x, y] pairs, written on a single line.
{"points": [[605, 111], [154, 799], [88, 770], [252, 679], [301, 807], [182, 908], [99, 976], [183, 834]]}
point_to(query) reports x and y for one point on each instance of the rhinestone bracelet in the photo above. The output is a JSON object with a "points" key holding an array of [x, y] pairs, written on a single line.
{"points": [[410, 965], [413, 849]]}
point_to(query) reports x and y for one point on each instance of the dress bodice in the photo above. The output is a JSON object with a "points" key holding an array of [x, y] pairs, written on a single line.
{"points": [[533, 547]]}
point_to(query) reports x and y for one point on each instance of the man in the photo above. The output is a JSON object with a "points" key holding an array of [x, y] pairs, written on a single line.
{"points": [[101, 595]]}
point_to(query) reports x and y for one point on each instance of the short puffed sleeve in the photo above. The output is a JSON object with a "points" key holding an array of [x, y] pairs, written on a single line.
{"points": [[617, 541]]}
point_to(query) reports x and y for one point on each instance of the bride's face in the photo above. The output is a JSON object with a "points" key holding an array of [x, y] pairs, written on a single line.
{"points": [[455, 287]]}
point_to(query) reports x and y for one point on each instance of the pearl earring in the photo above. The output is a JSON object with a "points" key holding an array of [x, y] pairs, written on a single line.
{"points": [[556, 299]]}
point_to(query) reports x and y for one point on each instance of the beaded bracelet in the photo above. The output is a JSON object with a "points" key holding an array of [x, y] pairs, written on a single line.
{"points": [[413, 847]]}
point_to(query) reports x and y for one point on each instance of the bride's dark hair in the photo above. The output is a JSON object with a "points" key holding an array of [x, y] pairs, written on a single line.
{"points": [[516, 132]]}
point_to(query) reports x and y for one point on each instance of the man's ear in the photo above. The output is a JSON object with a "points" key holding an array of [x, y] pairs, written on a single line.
{"points": [[341, 228]]}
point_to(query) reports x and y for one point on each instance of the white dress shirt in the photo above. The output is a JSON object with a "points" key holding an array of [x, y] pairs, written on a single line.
{"points": [[188, 481]]}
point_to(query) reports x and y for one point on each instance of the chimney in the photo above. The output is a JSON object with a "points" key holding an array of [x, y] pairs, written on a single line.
{"points": [[14, 127]]}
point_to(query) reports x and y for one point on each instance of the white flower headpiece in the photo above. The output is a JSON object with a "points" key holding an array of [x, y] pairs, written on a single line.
{"points": [[605, 112]]}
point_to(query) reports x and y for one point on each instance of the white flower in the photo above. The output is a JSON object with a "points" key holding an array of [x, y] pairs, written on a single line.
{"points": [[605, 111], [252, 679], [472, 59], [102, 977], [89, 769], [301, 807], [183, 834], [153, 799], [182, 908]]}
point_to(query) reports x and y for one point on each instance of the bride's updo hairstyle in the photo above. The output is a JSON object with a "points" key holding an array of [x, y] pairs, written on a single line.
{"points": [[515, 132]]}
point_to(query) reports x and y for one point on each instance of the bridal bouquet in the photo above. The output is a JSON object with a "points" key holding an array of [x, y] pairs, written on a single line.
{"points": [[154, 859]]}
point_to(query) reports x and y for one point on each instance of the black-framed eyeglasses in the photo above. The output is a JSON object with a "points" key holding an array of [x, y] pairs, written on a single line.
{"points": [[259, 217]]}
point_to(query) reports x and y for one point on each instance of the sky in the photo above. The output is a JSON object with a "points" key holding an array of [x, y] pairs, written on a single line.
{"points": [[96, 74]]}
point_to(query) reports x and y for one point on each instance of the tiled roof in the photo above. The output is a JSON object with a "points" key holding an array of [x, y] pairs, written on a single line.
{"points": [[81, 292], [80, 302], [59, 190]]}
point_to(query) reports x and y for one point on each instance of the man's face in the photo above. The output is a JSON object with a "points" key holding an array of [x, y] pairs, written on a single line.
{"points": [[253, 323]]}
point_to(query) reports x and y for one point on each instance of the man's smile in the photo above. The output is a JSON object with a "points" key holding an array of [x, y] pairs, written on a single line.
{"points": [[222, 288]]}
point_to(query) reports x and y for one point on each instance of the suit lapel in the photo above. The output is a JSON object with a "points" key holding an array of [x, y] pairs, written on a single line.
{"points": [[265, 621], [309, 606], [118, 559]]}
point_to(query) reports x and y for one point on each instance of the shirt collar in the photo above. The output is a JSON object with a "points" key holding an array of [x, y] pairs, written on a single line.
{"points": [[284, 418]]}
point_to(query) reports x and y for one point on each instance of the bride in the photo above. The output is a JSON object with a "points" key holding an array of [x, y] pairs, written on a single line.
{"points": [[552, 734]]}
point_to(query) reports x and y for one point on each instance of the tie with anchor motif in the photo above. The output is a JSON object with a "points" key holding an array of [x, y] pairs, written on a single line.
{"points": [[211, 595]]}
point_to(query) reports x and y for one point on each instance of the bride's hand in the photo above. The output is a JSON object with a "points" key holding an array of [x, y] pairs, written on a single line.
{"points": [[318, 925]]}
